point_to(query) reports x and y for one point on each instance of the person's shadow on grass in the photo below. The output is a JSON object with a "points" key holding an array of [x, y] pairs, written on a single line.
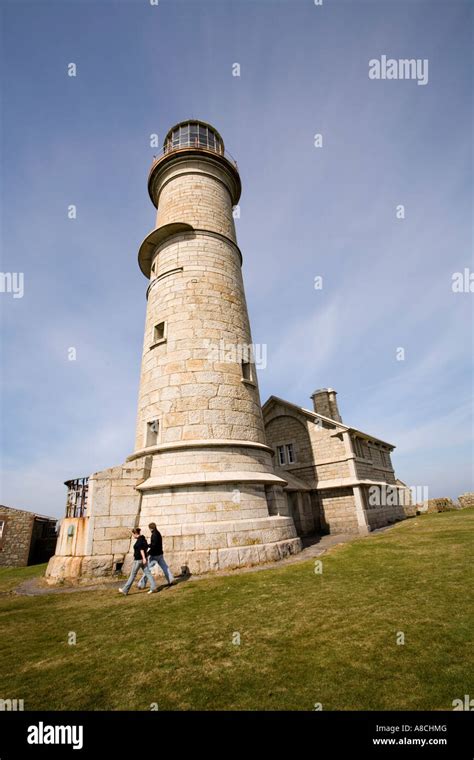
{"points": [[184, 576]]}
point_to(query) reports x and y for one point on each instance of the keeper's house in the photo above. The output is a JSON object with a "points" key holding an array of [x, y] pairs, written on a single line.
{"points": [[340, 480]]}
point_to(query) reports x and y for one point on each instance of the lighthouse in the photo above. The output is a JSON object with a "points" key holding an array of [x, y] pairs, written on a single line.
{"points": [[212, 486], [201, 468]]}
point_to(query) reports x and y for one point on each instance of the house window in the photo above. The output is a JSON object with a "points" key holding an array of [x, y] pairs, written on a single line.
{"points": [[281, 455], [2, 528], [361, 449], [159, 333], [286, 454], [371, 452], [152, 432]]}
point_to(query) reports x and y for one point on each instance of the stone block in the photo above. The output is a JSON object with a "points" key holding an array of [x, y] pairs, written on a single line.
{"points": [[248, 555], [228, 558], [272, 553], [211, 540], [117, 532], [102, 547], [126, 505], [245, 538], [99, 495], [120, 546], [97, 566], [184, 543]]}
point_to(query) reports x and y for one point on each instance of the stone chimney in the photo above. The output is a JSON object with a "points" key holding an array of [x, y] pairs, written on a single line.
{"points": [[325, 403]]}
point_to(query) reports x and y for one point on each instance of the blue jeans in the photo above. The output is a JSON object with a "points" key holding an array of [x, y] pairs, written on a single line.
{"points": [[159, 560], [136, 566]]}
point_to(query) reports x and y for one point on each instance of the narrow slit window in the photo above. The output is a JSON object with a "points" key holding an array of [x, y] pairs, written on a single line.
{"points": [[247, 371], [152, 433], [2, 527], [159, 332]]}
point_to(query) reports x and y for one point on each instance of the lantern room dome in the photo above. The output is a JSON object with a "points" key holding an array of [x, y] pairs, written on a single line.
{"points": [[193, 134]]}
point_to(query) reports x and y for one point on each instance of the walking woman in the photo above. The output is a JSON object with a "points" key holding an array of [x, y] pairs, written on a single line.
{"points": [[140, 548]]}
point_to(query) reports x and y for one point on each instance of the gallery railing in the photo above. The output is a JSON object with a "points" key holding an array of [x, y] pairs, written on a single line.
{"points": [[77, 492], [185, 144]]}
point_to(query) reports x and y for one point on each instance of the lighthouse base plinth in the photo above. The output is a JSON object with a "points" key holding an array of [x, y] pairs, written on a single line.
{"points": [[84, 569]]}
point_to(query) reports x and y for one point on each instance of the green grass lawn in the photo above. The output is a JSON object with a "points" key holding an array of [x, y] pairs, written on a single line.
{"points": [[305, 638]]}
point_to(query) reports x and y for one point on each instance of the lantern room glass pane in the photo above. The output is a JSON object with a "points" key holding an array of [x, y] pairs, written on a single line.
{"points": [[193, 133], [184, 135], [203, 132]]}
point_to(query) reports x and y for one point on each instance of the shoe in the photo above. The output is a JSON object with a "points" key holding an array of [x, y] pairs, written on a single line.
{"points": [[122, 591], [152, 591]]}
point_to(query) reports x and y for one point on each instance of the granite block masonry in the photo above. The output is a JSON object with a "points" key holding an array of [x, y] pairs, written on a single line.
{"points": [[201, 467]]}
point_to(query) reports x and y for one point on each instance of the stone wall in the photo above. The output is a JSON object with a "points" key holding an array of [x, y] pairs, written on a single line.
{"points": [[304, 509], [442, 504], [409, 509], [389, 508], [223, 543], [466, 500], [338, 510], [445, 504], [16, 538]]}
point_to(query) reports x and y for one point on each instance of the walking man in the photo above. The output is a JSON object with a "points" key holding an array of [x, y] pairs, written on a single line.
{"points": [[139, 562], [156, 556]]}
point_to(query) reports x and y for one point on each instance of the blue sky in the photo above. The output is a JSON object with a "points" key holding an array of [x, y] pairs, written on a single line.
{"points": [[305, 212]]}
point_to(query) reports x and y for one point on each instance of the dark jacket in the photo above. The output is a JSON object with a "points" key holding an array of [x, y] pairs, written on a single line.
{"points": [[139, 544], [156, 544]]}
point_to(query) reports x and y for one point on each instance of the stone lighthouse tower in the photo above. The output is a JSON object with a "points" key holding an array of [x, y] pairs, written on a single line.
{"points": [[212, 488], [201, 468]]}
